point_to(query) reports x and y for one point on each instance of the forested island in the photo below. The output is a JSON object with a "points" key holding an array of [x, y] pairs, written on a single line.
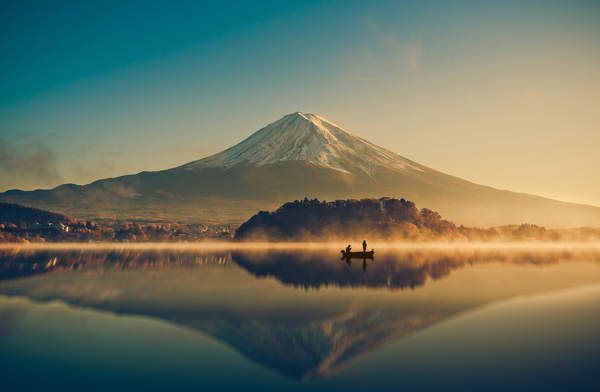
{"points": [[384, 219]]}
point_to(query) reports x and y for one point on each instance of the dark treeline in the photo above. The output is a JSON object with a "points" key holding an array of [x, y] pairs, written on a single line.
{"points": [[384, 219], [90, 231], [529, 232]]}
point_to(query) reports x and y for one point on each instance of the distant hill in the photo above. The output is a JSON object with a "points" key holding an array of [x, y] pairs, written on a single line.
{"points": [[349, 220], [21, 224], [16, 214], [300, 155]]}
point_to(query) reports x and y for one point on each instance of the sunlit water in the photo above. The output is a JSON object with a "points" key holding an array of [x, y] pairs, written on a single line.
{"points": [[296, 317]]}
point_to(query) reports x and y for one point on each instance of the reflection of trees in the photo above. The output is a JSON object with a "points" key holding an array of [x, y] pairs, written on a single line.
{"points": [[391, 269], [15, 263]]}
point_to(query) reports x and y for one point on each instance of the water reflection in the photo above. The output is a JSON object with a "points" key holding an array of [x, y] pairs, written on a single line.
{"points": [[396, 268], [249, 298]]}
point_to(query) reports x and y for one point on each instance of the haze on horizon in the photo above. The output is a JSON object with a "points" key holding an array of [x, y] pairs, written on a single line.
{"points": [[503, 94]]}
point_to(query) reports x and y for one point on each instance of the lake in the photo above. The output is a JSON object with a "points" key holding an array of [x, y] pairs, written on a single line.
{"points": [[298, 317]]}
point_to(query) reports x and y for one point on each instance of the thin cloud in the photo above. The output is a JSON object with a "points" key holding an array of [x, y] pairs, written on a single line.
{"points": [[386, 51], [412, 55], [92, 166], [30, 161], [407, 50]]}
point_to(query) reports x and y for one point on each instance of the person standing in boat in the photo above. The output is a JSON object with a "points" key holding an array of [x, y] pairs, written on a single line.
{"points": [[348, 249], [364, 245]]}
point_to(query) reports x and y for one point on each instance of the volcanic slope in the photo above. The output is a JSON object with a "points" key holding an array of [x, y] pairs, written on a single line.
{"points": [[300, 155]]}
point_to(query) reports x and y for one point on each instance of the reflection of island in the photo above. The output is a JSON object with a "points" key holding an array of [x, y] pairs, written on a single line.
{"points": [[393, 270], [300, 333]]}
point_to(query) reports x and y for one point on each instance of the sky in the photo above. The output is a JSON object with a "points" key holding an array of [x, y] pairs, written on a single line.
{"points": [[500, 93]]}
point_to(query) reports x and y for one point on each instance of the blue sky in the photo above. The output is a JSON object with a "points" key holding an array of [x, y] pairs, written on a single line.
{"points": [[499, 93]]}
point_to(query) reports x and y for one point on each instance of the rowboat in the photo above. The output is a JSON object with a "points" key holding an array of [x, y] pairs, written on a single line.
{"points": [[357, 255]]}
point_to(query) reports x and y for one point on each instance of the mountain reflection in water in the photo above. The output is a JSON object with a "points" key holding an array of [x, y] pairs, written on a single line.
{"points": [[249, 298]]}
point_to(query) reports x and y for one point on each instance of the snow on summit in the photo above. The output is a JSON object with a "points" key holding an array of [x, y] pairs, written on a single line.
{"points": [[306, 137]]}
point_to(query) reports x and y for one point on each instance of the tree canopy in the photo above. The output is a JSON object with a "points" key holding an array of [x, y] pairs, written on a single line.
{"points": [[384, 219]]}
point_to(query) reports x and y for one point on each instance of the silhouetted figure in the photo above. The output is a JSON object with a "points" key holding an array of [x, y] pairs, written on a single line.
{"points": [[348, 248], [364, 245]]}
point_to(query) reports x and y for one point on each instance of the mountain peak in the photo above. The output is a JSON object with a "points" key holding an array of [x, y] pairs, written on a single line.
{"points": [[320, 122], [306, 137]]}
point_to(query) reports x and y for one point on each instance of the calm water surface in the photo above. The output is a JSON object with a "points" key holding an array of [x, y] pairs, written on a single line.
{"points": [[500, 317]]}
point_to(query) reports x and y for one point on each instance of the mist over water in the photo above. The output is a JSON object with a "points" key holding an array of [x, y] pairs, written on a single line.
{"points": [[307, 265], [299, 316]]}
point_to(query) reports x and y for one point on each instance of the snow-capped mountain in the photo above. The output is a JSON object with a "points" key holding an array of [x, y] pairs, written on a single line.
{"points": [[300, 155], [307, 137]]}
